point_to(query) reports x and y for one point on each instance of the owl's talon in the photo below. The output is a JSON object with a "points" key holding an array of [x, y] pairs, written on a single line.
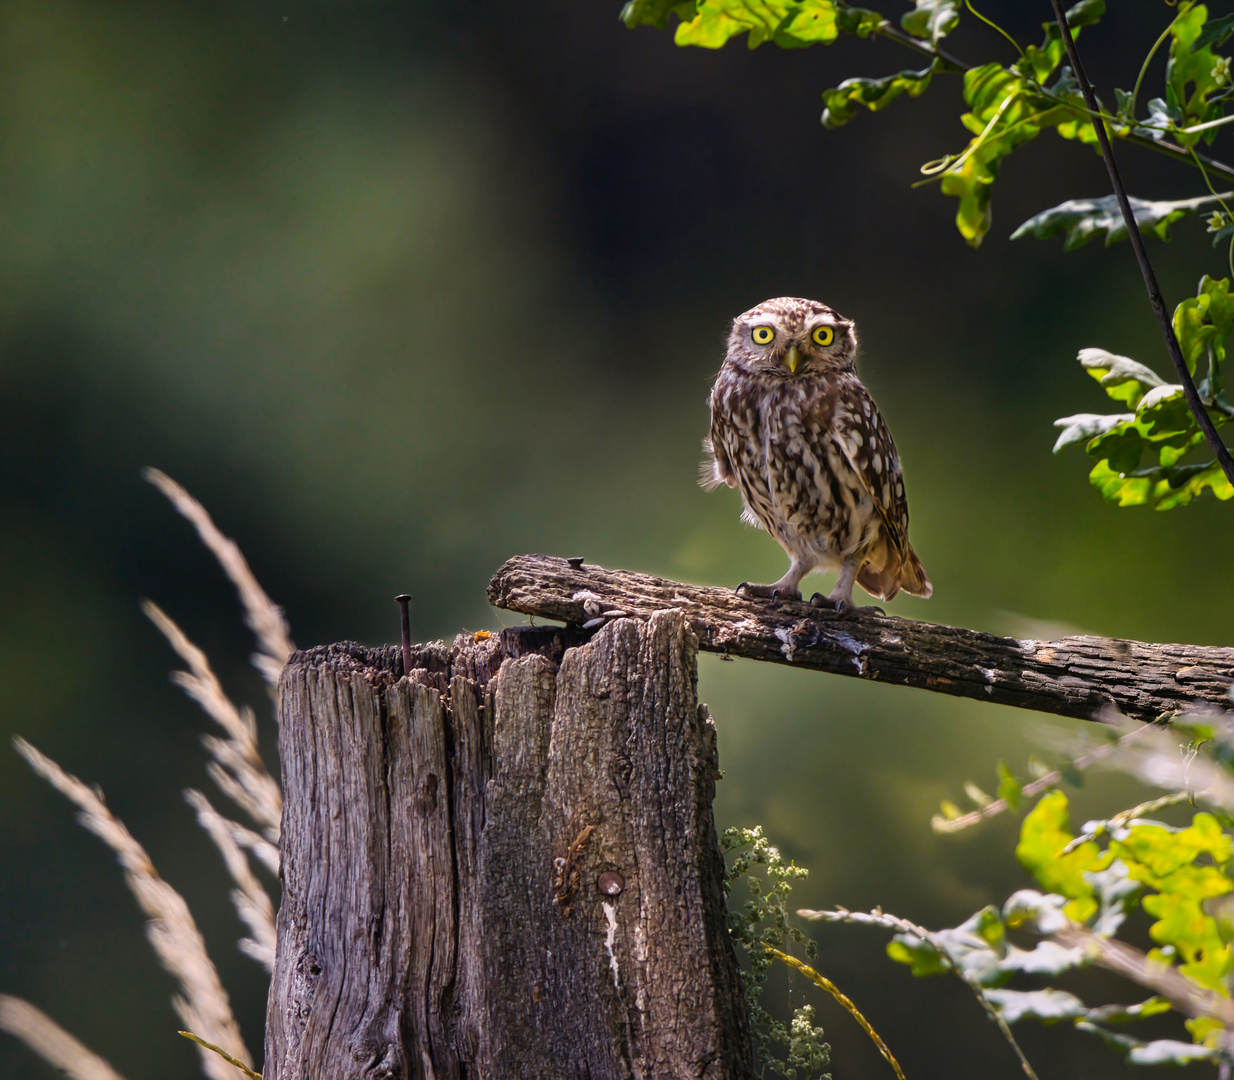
{"points": [[766, 592]]}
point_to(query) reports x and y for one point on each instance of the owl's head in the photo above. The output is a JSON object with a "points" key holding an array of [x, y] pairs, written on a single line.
{"points": [[792, 338]]}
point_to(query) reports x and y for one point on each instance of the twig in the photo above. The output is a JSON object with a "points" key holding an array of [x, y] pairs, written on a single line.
{"points": [[843, 999], [1125, 818], [1051, 779], [949, 63], [1187, 997], [878, 917], [221, 1053], [1137, 243]]}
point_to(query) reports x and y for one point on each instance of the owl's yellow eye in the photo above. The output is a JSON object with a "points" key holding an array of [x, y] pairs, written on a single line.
{"points": [[763, 335], [823, 335]]}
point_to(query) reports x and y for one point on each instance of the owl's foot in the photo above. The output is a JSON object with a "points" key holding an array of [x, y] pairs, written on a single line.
{"points": [[843, 607], [767, 592]]}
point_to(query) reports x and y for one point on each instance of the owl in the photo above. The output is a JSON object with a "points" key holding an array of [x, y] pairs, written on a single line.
{"points": [[797, 434]]}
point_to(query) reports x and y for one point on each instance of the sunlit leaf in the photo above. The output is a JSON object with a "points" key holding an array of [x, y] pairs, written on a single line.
{"points": [[933, 19], [1085, 219], [656, 12], [1085, 426], [1170, 1052], [1046, 1005], [1194, 75], [1205, 320], [1044, 833], [840, 104], [791, 24], [1122, 1014], [1124, 379], [922, 957], [1047, 958], [1009, 788], [1163, 488]]}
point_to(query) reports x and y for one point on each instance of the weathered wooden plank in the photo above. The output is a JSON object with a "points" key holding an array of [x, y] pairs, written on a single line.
{"points": [[1081, 676]]}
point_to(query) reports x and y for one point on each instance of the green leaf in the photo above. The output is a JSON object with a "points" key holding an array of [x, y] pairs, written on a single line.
{"points": [[933, 19], [1215, 32], [1170, 1052], [1007, 110], [1163, 487], [1205, 320], [840, 104], [656, 12], [791, 24], [1043, 835], [1164, 859], [921, 956], [1124, 379], [1194, 75], [1085, 426], [1084, 219], [1122, 1014], [1047, 1005], [1009, 788]]}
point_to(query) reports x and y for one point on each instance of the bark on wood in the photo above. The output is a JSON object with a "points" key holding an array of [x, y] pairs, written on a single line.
{"points": [[444, 837], [1083, 677]]}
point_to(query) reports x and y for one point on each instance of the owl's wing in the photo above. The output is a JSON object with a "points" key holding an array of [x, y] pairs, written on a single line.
{"points": [[716, 468], [859, 433]]}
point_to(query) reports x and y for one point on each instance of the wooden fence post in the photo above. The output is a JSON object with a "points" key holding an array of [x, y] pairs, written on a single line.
{"points": [[503, 864]]}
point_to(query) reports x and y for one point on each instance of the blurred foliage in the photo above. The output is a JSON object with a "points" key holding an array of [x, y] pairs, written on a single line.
{"points": [[402, 289], [1010, 105], [1177, 874]]}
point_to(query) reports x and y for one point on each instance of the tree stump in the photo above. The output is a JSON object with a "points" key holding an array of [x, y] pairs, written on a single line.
{"points": [[503, 863]]}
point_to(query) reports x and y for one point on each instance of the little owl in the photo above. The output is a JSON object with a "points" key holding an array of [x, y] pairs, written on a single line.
{"points": [[795, 431]]}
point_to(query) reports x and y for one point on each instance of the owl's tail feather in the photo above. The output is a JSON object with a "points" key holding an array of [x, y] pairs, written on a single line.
{"points": [[894, 574]]}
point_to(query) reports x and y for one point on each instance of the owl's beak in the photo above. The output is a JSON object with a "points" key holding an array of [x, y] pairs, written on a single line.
{"points": [[793, 359]]}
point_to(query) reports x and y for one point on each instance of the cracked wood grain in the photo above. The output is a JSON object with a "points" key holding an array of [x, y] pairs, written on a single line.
{"points": [[1081, 676], [444, 834]]}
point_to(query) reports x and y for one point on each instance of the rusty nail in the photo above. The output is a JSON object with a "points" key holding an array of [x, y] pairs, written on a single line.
{"points": [[403, 600], [576, 563], [611, 883]]}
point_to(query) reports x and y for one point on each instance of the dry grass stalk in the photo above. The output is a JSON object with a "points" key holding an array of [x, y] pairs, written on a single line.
{"points": [[240, 772], [172, 932], [263, 616], [251, 900], [51, 1042]]}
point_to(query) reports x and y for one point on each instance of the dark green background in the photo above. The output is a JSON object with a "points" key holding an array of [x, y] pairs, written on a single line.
{"points": [[401, 289]]}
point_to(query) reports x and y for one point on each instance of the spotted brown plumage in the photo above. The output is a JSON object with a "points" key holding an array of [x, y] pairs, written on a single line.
{"points": [[793, 429]]}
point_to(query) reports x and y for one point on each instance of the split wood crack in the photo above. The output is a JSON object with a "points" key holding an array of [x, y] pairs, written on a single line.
{"points": [[1083, 676]]}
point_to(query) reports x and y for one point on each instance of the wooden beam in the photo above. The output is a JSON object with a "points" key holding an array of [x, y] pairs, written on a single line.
{"points": [[1083, 677]]}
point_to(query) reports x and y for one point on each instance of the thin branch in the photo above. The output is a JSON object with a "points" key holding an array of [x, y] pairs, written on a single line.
{"points": [[1141, 253], [1081, 676], [1030, 790], [51, 1042], [878, 917], [1187, 997], [948, 63], [1124, 818]]}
